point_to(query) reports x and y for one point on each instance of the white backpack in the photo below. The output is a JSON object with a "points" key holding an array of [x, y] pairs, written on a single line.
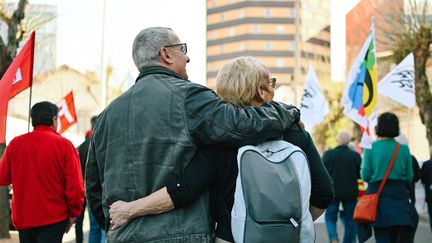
{"points": [[271, 201]]}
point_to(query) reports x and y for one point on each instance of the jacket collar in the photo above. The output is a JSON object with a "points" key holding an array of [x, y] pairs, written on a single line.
{"points": [[44, 128], [156, 70]]}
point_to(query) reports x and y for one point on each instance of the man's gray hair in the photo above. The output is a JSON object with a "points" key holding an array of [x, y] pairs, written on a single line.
{"points": [[343, 138], [147, 44]]}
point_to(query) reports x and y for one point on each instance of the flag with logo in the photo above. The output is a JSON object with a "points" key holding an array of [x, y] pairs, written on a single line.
{"points": [[360, 95], [399, 84], [17, 78], [66, 114], [314, 106]]}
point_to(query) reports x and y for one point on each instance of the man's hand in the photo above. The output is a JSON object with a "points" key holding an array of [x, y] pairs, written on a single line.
{"points": [[71, 221], [119, 214]]}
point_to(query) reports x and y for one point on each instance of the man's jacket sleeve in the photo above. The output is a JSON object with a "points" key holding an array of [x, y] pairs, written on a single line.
{"points": [[74, 181], [5, 170], [94, 187], [212, 121]]}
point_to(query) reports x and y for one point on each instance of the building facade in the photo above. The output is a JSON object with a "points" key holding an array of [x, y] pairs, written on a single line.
{"points": [[286, 35]]}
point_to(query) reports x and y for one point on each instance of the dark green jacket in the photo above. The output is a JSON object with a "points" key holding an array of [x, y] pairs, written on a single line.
{"points": [[151, 132]]}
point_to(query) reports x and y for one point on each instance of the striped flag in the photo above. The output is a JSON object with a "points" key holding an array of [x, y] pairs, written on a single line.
{"points": [[360, 95]]}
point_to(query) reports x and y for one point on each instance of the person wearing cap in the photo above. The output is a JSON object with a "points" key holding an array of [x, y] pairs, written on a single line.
{"points": [[44, 170]]}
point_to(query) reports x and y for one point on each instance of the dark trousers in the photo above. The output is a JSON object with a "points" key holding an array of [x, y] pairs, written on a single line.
{"points": [[52, 233], [392, 234], [79, 225], [429, 205]]}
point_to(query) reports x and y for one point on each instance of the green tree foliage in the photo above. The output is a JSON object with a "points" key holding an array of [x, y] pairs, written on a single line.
{"points": [[325, 133]]}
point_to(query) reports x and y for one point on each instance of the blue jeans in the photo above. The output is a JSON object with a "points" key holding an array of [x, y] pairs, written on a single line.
{"points": [[346, 216], [96, 234]]}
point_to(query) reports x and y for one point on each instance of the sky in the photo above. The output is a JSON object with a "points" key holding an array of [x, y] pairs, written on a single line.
{"points": [[79, 31]]}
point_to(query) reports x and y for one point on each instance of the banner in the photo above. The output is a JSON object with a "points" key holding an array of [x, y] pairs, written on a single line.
{"points": [[66, 115], [313, 106], [399, 84], [17, 78], [360, 95]]}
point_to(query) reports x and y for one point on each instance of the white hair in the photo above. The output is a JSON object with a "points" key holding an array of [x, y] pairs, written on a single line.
{"points": [[343, 138], [147, 44]]}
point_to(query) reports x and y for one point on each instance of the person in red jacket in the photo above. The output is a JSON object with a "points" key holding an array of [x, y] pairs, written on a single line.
{"points": [[45, 173]]}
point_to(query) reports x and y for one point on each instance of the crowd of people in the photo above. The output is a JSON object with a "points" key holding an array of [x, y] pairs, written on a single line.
{"points": [[160, 161]]}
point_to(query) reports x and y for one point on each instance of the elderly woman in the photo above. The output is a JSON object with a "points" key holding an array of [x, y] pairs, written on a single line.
{"points": [[243, 81], [394, 211]]}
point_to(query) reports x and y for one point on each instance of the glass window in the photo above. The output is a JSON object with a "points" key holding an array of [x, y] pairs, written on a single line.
{"points": [[268, 45], [293, 46], [280, 62], [267, 13], [242, 13], [232, 31], [280, 29], [256, 29], [241, 46]]}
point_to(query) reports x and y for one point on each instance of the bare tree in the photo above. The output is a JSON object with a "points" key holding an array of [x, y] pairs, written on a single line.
{"points": [[417, 38], [8, 50]]}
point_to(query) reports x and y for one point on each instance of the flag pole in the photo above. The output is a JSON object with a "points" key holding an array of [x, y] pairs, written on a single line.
{"points": [[28, 119]]}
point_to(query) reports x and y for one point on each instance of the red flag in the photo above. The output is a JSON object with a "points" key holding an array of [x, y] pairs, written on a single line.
{"points": [[66, 115], [20, 72], [17, 78]]}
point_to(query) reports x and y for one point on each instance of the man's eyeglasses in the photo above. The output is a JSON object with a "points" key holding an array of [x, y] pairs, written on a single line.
{"points": [[272, 82], [183, 47]]}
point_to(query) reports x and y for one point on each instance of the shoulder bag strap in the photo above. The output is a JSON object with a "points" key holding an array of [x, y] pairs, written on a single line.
{"points": [[389, 168]]}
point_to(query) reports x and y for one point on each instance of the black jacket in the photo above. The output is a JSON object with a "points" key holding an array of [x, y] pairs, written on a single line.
{"points": [[343, 165], [216, 168], [426, 178], [152, 131]]}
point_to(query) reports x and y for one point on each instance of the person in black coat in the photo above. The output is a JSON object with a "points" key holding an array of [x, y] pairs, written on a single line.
{"points": [[343, 165], [426, 178]]}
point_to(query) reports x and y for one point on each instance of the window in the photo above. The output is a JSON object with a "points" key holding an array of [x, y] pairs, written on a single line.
{"points": [[232, 31], [280, 62], [280, 29], [293, 46], [242, 14], [267, 13], [256, 29], [213, 35], [268, 45], [241, 46], [389, 19], [222, 17]]}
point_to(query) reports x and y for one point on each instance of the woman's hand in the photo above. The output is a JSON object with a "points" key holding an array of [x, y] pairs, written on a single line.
{"points": [[119, 214]]}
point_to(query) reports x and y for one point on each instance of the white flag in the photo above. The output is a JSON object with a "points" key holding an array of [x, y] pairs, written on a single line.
{"points": [[314, 106], [399, 84]]}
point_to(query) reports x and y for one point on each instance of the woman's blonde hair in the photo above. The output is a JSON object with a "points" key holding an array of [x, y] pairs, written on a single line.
{"points": [[239, 79]]}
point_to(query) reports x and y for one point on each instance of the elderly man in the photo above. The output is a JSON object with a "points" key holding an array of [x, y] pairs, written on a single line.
{"points": [[343, 165], [152, 131]]}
